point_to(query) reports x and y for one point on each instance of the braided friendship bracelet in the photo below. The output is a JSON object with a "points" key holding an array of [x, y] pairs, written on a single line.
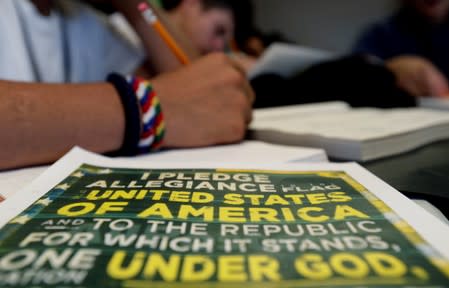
{"points": [[153, 126], [145, 128]]}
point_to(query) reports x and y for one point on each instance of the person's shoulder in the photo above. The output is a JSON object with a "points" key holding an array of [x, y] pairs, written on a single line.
{"points": [[380, 31], [383, 27], [375, 38]]}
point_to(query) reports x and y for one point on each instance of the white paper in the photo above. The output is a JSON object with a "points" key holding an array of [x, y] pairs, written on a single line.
{"points": [[247, 151], [351, 133], [434, 103], [288, 59]]}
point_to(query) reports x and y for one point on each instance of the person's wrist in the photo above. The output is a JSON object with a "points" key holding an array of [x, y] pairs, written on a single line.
{"points": [[132, 115]]}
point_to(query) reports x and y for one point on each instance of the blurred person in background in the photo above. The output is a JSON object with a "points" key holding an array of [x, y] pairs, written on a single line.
{"points": [[414, 42]]}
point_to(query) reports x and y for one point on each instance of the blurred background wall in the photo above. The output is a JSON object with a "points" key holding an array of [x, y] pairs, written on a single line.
{"points": [[327, 24]]}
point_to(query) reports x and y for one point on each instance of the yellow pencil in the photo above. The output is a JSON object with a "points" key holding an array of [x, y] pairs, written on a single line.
{"points": [[151, 18]]}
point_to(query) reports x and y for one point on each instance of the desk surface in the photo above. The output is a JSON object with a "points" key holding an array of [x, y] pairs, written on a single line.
{"points": [[422, 173]]}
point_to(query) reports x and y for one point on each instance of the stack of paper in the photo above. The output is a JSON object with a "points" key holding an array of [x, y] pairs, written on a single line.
{"points": [[434, 103], [351, 133]]}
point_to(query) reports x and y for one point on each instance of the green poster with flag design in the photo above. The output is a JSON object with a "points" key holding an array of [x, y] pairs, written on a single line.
{"points": [[109, 227]]}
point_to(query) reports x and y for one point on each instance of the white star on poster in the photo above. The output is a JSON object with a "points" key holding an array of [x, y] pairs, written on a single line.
{"points": [[44, 202], [20, 220], [78, 174], [64, 186], [105, 171]]}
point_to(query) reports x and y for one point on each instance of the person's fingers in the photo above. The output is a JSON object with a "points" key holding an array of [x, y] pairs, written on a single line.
{"points": [[243, 105], [437, 84], [249, 92], [410, 85], [419, 84], [248, 115], [236, 65]]}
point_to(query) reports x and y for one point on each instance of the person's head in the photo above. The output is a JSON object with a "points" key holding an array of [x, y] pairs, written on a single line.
{"points": [[434, 10], [209, 24]]}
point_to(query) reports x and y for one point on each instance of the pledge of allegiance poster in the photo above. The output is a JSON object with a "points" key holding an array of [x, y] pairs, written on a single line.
{"points": [[105, 227]]}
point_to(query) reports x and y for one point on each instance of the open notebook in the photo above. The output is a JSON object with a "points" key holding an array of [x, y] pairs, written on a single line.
{"points": [[351, 133]]}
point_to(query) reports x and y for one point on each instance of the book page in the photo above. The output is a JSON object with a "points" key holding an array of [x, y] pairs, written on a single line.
{"points": [[434, 103], [301, 111], [287, 59], [352, 124], [90, 221]]}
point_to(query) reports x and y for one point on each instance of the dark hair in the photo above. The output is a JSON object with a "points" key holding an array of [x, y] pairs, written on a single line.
{"points": [[170, 4], [242, 11], [233, 5]]}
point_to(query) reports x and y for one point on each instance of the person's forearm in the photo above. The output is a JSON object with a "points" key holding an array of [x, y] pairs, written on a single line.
{"points": [[159, 55], [41, 122]]}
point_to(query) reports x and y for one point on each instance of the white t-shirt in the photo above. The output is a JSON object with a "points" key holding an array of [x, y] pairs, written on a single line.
{"points": [[73, 44]]}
